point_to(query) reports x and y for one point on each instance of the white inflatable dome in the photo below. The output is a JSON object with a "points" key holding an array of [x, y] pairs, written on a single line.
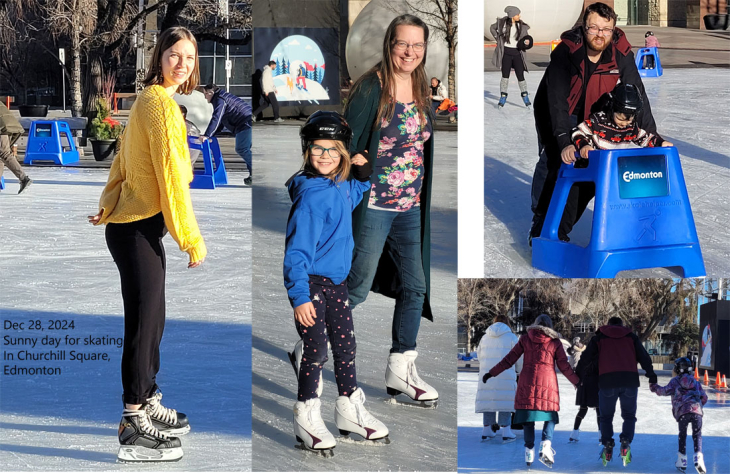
{"points": [[364, 46], [547, 18]]}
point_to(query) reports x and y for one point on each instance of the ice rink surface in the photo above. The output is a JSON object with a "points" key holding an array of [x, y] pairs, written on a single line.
{"points": [[54, 265], [421, 440], [691, 110], [654, 448]]}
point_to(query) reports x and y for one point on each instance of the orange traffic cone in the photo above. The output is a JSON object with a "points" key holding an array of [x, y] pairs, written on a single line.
{"points": [[707, 378], [724, 382], [697, 375], [717, 379]]}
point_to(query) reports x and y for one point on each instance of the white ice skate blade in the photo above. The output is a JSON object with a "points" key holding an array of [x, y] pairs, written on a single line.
{"points": [[424, 404], [175, 432], [325, 453], [143, 454], [372, 443]]}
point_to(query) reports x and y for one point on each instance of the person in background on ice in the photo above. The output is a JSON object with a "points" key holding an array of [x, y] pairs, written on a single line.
{"points": [[650, 41], [616, 350], [438, 93], [509, 31], [587, 394], [390, 114], [192, 131], [499, 395], [317, 260], [688, 398], [147, 195], [10, 131], [588, 62], [542, 349], [269, 89], [234, 114]]}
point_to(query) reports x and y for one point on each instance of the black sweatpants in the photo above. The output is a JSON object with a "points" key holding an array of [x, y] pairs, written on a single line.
{"points": [[140, 257], [512, 59], [696, 421], [333, 321], [269, 99]]}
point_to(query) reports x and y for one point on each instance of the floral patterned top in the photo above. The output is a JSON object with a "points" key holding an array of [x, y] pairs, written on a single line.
{"points": [[399, 164]]}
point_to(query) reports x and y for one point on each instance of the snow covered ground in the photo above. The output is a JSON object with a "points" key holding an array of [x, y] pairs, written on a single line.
{"points": [[54, 265], [654, 448], [422, 440], [690, 111]]}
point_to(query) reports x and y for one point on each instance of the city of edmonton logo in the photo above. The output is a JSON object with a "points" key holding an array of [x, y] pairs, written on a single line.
{"points": [[630, 175]]}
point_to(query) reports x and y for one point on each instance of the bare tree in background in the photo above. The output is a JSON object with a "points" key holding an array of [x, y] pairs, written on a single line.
{"points": [[471, 302]]}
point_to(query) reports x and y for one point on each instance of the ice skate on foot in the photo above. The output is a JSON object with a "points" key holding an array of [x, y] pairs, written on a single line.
{"points": [[310, 430], [502, 100], [625, 452], [140, 441], [700, 463], [529, 456], [606, 454], [167, 420], [547, 454], [295, 357], [507, 435], [24, 184], [574, 437], [681, 463], [488, 433], [526, 99], [351, 416], [401, 376]]}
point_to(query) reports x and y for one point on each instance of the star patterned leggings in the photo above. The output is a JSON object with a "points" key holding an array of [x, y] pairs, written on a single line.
{"points": [[333, 322], [696, 421]]}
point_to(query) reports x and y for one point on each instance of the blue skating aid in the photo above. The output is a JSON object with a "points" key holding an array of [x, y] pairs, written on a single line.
{"points": [[645, 53], [2, 183], [214, 174], [641, 219], [44, 143]]}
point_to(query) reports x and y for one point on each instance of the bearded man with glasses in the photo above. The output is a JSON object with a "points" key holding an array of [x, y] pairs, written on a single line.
{"points": [[589, 61]]}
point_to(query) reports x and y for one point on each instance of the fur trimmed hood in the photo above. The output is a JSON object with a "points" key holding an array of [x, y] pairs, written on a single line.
{"points": [[540, 330]]}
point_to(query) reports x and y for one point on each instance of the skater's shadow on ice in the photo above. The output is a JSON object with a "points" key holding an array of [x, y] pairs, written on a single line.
{"points": [[698, 153], [652, 453], [195, 377], [507, 198], [66, 429], [81, 455], [63, 183]]}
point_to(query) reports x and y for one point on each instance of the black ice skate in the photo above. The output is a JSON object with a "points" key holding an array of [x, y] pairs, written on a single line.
{"points": [[606, 454], [141, 442], [166, 420], [625, 452]]}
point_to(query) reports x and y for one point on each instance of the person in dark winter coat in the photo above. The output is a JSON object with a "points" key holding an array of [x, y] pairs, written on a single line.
{"points": [[587, 394], [235, 114], [688, 398], [617, 350], [508, 31], [588, 62], [538, 396]]}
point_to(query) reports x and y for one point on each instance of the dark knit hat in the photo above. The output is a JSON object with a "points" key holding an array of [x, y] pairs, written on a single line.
{"points": [[512, 11]]}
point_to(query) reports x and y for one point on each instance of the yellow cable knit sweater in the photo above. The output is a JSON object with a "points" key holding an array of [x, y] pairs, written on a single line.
{"points": [[152, 173]]}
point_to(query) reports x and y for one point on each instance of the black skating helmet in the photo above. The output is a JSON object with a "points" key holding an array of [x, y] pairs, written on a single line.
{"points": [[682, 366], [649, 33], [323, 125], [626, 99]]}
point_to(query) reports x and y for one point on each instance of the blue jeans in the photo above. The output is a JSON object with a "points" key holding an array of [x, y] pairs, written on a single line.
{"points": [[402, 230], [607, 404], [243, 147], [490, 418], [528, 430]]}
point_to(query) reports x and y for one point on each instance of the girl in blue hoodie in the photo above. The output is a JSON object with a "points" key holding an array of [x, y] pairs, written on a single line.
{"points": [[319, 246]]}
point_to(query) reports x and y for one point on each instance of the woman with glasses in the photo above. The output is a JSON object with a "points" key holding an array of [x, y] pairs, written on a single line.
{"points": [[389, 111], [509, 31]]}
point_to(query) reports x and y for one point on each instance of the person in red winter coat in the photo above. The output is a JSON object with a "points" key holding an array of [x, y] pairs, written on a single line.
{"points": [[537, 397]]}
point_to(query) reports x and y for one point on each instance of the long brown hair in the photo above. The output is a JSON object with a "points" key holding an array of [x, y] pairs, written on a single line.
{"points": [[166, 40], [384, 70]]}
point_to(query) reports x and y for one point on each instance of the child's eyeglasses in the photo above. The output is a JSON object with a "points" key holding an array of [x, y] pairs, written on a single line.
{"points": [[317, 150]]}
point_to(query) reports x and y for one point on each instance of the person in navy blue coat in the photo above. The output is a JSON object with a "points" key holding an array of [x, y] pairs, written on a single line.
{"points": [[234, 114]]}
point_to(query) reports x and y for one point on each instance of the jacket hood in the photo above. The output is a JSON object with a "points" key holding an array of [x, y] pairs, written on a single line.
{"points": [[497, 329], [542, 334], [303, 181], [574, 40], [614, 332], [686, 381]]}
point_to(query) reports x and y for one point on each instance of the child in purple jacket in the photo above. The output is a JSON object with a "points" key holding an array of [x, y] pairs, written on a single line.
{"points": [[688, 397]]}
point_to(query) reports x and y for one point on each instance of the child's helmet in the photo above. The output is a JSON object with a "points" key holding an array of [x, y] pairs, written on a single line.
{"points": [[649, 33], [626, 99], [323, 125], [682, 366]]}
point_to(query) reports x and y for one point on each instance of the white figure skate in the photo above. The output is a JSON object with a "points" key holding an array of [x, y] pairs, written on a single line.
{"points": [[401, 376], [352, 417], [310, 430]]}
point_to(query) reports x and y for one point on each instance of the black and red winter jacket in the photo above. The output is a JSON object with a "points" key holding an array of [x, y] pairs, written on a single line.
{"points": [[617, 351], [563, 86]]}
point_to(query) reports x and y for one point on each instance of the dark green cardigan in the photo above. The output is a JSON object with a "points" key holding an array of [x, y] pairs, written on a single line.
{"points": [[360, 113]]}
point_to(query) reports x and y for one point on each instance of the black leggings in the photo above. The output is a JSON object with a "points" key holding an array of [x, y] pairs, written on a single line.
{"points": [[582, 414], [684, 421], [140, 257], [512, 59]]}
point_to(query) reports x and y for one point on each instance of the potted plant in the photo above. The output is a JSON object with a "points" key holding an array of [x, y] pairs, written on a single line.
{"points": [[105, 131], [33, 110]]}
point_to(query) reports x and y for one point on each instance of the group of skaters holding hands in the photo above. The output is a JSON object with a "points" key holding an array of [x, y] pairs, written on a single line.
{"points": [[519, 386]]}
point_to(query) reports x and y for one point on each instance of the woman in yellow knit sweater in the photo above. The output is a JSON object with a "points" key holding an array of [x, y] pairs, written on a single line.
{"points": [[147, 194]]}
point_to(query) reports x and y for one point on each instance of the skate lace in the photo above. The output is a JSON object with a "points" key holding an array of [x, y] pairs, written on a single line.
{"points": [[413, 375], [168, 415], [364, 418], [315, 421], [145, 423]]}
